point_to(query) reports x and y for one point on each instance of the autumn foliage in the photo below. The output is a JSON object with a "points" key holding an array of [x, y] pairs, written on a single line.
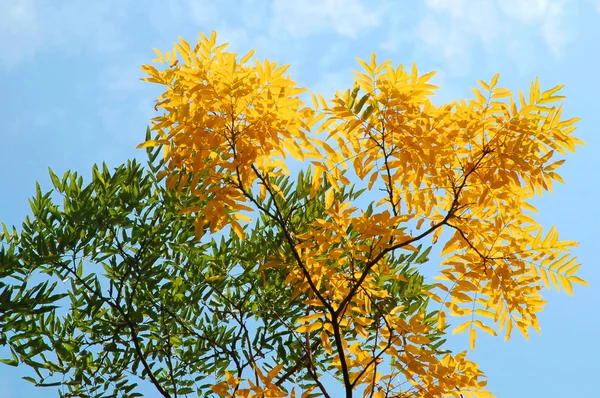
{"points": [[460, 175]]}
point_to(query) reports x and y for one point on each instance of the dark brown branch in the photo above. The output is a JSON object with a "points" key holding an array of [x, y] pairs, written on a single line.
{"points": [[130, 325], [431, 229], [334, 315], [375, 359]]}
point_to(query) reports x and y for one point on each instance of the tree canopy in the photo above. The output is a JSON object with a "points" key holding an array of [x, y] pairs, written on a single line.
{"points": [[272, 247]]}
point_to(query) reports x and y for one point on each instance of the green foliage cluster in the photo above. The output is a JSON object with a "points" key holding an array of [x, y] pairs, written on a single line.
{"points": [[111, 287]]}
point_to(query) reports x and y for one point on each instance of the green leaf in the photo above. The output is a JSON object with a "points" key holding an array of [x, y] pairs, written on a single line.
{"points": [[54, 178], [361, 103], [423, 256], [365, 115], [30, 379], [10, 362]]}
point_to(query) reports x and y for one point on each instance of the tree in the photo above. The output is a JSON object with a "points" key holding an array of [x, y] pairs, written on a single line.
{"points": [[236, 279]]}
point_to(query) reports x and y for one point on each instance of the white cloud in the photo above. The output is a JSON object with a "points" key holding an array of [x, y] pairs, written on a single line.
{"points": [[455, 8], [301, 18], [547, 15], [525, 11], [18, 29], [448, 41], [203, 11], [450, 26], [19, 15], [254, 13], [29, 27], [554, 30], [454, 27]]}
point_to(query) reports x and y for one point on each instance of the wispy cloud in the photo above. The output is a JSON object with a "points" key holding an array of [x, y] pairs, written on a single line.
{"points": [[455, 27], [320, 38], [18, 30], [554, 29], [547, 15], [345, 17], [30, 27]]}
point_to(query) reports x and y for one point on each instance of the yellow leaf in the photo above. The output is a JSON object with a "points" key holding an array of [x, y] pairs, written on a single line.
{"points": [[372, 179], [308, 318], [484, 85], [333, 181], [263, 191], [309, 328], [199, 228], [484, 327], [554, 281], [552, 99], [436, 235], [213, 38], [237, 228], [472, 338], [462, 327], [184, 54], [418, 339], [366, 66], [242, 217], [578, 280], [548, 93], [536, 90], [373, 64], [425, 78], [307, 392], [222, 389], [480, 98], [396, 309], [555, 177], [441, 321], [247, 57], [452, 244], [545, 278], [508, 329], [294, 150], [173, 58], [274, 372], [485, 313], [494, 80], [229, 378], [572, 270], [414, 76], [151, 143], [158, 53], [566, 284], [326, 343], [420, 223], [329, 195], [161, 174], [501, 93], [554, 165], [361, 331]]}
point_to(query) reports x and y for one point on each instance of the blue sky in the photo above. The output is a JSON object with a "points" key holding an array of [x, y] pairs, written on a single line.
{"points": [[71, 97]]}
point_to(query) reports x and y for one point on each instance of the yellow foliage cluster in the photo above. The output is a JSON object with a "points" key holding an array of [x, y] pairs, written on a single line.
{"points": [[466, 167]]}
